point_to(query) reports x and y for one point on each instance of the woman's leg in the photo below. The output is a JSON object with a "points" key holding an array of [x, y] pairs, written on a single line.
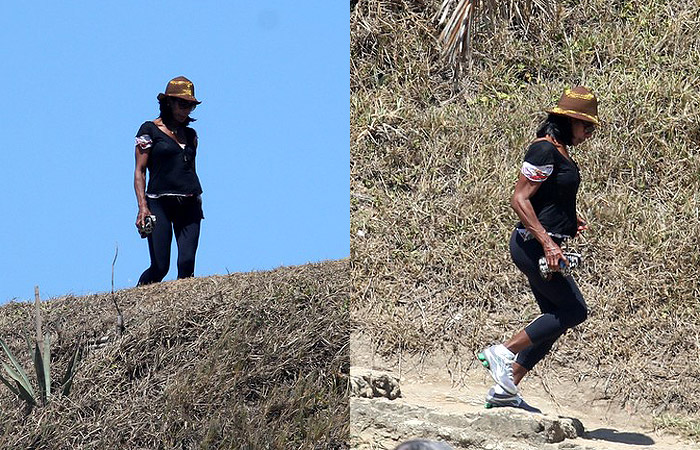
{"points": [[562, 308], [560, 302], [187, 229], [158, 242]]}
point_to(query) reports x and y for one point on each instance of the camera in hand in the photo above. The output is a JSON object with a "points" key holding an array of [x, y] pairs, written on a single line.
{"points": [[575, 260], [149, 223]]}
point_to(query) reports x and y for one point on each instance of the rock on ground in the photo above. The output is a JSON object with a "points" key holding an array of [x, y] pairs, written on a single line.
{"points": [[502, 428], [366, 383]]}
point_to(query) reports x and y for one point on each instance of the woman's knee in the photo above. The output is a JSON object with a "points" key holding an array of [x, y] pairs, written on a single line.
{"points": [[185, 267], [578, 316], [158, 272]]}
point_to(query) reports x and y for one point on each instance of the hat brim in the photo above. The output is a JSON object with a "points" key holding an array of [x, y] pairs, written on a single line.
{"points": [[574, 114], [189, 98]]}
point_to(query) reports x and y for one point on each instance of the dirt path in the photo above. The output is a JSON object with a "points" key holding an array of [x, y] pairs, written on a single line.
{"points": [[433, 406]]}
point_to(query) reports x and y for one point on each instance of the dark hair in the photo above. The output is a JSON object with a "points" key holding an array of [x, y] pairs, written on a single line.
{"points": [[557, 126], [423, 444], [166, 113]]}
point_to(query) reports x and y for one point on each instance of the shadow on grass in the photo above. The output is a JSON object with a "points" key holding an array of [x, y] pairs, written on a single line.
{"points": [[611, 435]]}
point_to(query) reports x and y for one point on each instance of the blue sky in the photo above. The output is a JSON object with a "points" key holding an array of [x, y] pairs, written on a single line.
{"points": [[78, 80]]}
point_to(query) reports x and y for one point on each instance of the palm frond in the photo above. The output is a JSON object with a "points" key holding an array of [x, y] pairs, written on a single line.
{"points": [[456, 35], [459, 17]]}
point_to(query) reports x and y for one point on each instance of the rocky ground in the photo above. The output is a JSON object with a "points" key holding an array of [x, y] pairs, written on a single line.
{"points": [[421, 400]]}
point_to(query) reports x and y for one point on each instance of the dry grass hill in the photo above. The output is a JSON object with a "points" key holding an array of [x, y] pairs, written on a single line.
{"points": [[246, 361], [433, 164]]}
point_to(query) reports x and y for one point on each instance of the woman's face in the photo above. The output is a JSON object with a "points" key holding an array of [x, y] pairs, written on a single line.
{"points": [[581, 130], [181, 108]]}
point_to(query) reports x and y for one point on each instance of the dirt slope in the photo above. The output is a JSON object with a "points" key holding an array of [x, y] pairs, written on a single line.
{"points": [[440, 405]]}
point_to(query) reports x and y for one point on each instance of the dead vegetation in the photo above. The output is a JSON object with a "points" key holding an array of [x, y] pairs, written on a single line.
{"points": [[433, 166], [250, 361]]}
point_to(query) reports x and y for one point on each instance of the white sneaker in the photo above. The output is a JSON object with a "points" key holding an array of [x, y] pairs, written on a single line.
{"points": [[499, 361], [497, 396]]}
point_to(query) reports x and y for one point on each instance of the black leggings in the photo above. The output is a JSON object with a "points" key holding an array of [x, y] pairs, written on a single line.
{"points": [[182, 215], [559, 299]]}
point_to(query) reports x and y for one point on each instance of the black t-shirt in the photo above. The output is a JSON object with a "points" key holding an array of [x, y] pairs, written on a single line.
{"points": [[555, 200], [171, 168]]}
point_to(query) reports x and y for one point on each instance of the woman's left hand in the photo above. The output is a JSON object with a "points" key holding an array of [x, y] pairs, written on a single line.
{"points": [[582, 226]]}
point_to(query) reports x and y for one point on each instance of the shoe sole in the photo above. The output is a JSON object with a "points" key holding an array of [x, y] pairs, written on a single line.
{"points": [[522, 405], [489, 405], [496, 403], [494, 400]]}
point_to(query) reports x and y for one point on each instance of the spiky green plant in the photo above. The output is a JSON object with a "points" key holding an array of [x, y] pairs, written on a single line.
{"points": [[19, 382]]}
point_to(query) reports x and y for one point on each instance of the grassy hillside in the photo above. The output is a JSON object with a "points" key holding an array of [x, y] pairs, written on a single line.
{"points": [[434, 164], [250, 361]]}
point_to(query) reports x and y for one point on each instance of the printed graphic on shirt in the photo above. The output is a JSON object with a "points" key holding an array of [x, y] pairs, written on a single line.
{"points": [[535, 173], [144, 142]]}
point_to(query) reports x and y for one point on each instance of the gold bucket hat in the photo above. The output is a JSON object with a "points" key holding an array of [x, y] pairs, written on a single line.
{"points": [[579, 103], [180, 87]]}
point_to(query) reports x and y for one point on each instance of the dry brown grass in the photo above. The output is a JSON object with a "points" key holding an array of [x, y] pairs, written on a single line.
{"points": [[433, 167], [250, 361]]}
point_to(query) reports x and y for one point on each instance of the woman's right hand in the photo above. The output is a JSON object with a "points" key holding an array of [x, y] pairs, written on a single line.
{"points": [[554, 254], [140, 218]]}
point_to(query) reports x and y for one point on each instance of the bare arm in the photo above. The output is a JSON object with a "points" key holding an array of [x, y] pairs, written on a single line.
{"points": [[140, 185], [194, 144], [520, 202]]}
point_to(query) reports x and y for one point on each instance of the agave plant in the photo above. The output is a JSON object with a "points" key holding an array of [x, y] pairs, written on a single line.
{"points": [[19, 382]]}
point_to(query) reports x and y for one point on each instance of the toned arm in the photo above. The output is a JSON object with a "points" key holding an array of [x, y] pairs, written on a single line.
{"points": [[140, 184], [520, 202]]}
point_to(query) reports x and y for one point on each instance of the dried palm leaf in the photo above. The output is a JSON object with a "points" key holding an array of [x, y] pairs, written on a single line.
{"points": [[459, 16], [456, 35]]}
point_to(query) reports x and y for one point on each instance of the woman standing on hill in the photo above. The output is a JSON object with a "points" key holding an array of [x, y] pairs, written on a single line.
{"points": [[167, 148], [545, 201]]}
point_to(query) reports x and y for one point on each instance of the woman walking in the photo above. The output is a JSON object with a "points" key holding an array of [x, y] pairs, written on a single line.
{"points": [[166, 147], [545, 202]]}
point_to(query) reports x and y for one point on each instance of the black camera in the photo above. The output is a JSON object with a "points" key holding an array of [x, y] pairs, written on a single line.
{"points": [[149, 223], [575, 260]]}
